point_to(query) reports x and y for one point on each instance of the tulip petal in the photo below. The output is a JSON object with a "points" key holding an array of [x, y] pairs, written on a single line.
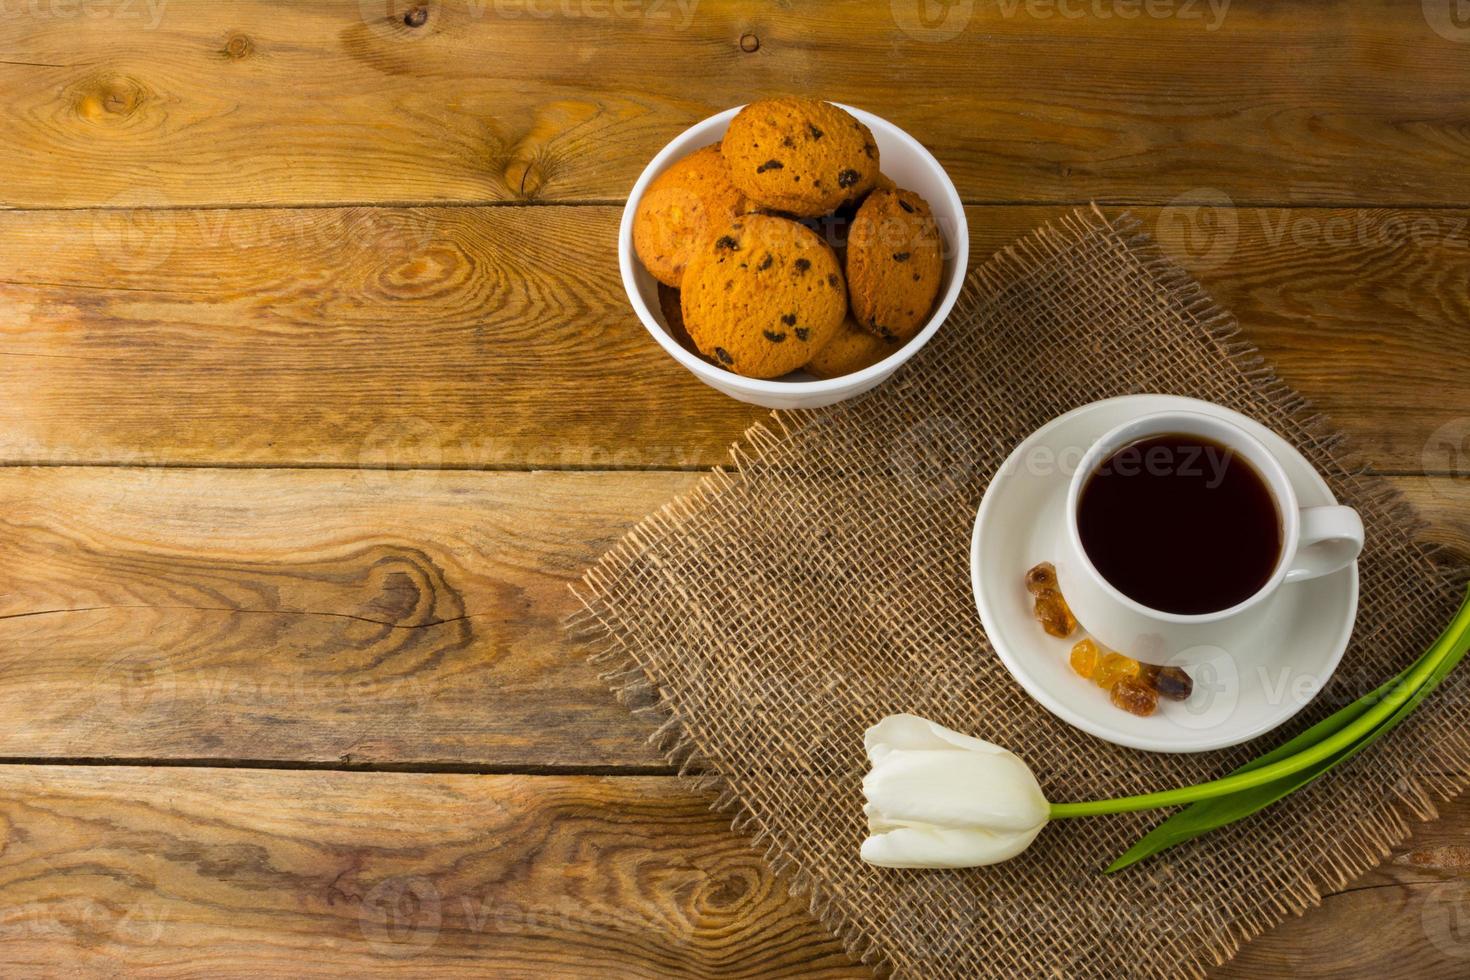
{"points": [[956, 789], [913, 732], [916, 847]]}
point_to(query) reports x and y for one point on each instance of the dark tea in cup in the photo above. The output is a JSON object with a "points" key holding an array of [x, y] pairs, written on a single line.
{"points": [[1180, 524]]}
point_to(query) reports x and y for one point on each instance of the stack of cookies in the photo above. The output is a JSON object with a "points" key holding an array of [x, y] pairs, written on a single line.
{"points": [[784, 247]]}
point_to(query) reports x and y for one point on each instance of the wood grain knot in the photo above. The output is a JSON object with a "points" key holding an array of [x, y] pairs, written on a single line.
{"points": [[405, 591], [238, 47], [441, 269], [1453, 858], [726, 892], [531, 162], [749, 43], [723, 895], [417, 17], [526, 175], [109, 98]]}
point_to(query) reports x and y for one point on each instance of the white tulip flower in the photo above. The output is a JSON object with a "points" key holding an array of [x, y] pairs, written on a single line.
{"points": [[940, 799]]}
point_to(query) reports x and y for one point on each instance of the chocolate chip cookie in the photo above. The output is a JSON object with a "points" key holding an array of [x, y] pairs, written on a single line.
{"points": [[802, 156], [851, 349], [894, 264], [762, 296], [682, 206]]}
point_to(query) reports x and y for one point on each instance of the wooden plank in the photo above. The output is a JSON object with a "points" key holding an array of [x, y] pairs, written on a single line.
{"points": [[1410, 932], [174, 872], [331, 617], [163, 872], [501, 337], [447, 337], [353, 617], [1405, 918], [196, 102]]}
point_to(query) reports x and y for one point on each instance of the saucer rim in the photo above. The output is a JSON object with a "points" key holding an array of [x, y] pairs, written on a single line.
{"points": [[1165, 742]]}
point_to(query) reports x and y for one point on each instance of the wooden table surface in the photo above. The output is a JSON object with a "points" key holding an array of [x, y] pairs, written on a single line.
{"points": [[320, 387]]}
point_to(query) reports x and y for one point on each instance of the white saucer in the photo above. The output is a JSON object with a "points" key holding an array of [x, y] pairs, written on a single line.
{"points": [[1235, 698]]}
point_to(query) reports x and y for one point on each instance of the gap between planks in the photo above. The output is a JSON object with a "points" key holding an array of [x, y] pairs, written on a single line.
{"points": [[597, 202], [466, 468], [417, 768]]}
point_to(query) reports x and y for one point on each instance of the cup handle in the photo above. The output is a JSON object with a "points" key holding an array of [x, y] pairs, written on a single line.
{"points": [[1331, 538]]}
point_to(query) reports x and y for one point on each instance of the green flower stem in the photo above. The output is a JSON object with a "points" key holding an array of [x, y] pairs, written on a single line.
{"points": [[1452, 643]]}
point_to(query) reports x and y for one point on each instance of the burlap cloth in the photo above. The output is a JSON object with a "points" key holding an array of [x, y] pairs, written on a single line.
{"points": [[823, 582]]}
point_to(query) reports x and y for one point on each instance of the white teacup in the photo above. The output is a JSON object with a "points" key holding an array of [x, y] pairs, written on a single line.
{"points": [[1314, 541]]}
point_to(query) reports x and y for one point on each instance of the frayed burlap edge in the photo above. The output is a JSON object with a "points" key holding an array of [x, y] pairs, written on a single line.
{"points": [[1355, 852]]}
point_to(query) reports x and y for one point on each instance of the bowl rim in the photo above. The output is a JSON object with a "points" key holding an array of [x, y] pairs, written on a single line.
{"points": [[629, 264]]}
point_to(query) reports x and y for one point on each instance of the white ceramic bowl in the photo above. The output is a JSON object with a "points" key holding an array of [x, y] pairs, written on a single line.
{"points": [[903, 159]]}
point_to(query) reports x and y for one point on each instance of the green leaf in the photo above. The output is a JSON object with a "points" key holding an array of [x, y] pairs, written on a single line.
{"points": [[1207, 815]]}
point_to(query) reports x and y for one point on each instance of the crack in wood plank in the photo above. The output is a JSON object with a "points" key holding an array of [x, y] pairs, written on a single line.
{"points": [[232, 610]]}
